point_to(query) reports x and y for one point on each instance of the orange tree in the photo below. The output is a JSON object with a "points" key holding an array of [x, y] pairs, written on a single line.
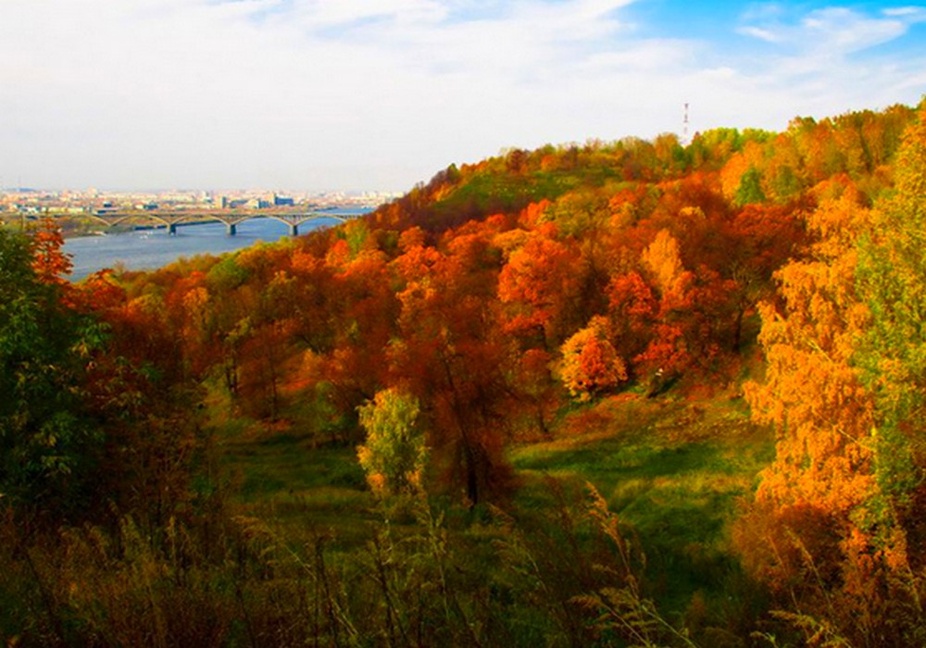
{"points": [[809, 498], [453, 356]]}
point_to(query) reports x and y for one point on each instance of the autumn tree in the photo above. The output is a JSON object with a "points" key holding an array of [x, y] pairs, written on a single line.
{"points": [[590, 364], [633, 308], [807, 529], [667, 352], [741, 176], [454, 357], [145, 402], [809, 346], [363, 309], [837, 523], [784, 170], [540, 286], [50, 263], [759, 240]]}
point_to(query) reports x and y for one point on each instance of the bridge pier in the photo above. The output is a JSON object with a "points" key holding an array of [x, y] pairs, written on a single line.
{"points": [[294, 229], [231, 229], [172, 229]]}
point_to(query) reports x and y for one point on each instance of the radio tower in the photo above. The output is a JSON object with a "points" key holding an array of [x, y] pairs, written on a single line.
{"points": [[685, 126]]}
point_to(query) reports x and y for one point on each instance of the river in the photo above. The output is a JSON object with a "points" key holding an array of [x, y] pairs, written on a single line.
{"points": [[147, 249]]}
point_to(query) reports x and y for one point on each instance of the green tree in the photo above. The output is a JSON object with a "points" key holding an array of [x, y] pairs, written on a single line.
{"points": [[46, 440], [750, 188], [891, 279], [394, 455]]}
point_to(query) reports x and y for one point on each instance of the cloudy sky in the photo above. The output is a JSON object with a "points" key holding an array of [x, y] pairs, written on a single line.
{"points": [[381, 94]]}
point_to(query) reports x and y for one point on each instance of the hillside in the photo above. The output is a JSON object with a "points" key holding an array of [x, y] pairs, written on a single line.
{"points": [[628, 393]]}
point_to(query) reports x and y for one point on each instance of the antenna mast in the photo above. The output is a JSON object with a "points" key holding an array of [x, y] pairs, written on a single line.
{"points": [[685, 125]]}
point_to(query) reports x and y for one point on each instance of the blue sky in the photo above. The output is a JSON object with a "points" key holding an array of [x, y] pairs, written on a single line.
{"points": [[381, 94]]}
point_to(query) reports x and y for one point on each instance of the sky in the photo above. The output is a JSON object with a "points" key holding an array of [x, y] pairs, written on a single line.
{"points": [[377, 95]]}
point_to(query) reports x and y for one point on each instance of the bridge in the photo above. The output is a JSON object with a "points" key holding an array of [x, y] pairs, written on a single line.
{"points": [[171, 219]]}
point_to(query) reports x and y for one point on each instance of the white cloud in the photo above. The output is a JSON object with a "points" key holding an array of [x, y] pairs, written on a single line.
{"points": [[836, 30], [767, 35], [911, 13], [340, 93], [847, 31]]}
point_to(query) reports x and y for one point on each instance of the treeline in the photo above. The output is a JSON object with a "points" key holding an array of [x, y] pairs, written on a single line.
{"points": [[471, 312], [754, 166]]}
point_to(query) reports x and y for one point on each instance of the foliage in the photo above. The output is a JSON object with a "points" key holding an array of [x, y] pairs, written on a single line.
{"points": [[394, 455], [814, 494], [591, 365], [48, 443], [458, 318], [891, 281], [834, 529]]}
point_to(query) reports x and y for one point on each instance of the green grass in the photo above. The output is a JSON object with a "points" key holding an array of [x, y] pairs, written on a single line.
{"points": [[673, 473], [302, 490], [671, 470]]}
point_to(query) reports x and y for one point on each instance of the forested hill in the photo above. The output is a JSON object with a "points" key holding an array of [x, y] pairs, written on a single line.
{"points": [[634, 305], [754, 166]]}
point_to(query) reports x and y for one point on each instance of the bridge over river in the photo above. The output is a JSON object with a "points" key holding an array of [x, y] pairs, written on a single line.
{"points": [[171, 219]]}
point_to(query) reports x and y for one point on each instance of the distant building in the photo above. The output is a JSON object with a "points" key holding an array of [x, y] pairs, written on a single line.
{"points": [[283, 201]]}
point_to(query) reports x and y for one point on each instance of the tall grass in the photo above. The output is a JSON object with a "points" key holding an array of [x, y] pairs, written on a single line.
{"points": [[291, 549], [414, 581]]}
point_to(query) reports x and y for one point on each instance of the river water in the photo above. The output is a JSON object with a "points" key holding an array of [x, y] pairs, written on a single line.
{"points": [[148, 249]]}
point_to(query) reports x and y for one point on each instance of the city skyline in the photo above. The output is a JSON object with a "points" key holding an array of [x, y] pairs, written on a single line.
{"points": [[378, 95]]}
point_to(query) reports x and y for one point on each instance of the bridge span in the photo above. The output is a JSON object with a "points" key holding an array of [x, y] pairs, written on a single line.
{"points": [[171, 219]]}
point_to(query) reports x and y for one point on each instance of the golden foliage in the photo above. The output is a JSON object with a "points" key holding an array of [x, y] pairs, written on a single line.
{"points": [[813, 394], [590, 363]]}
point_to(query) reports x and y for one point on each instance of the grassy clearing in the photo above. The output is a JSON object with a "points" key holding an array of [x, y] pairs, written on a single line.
{"points": [[281, 475], [673, 472], [671, 469]]}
